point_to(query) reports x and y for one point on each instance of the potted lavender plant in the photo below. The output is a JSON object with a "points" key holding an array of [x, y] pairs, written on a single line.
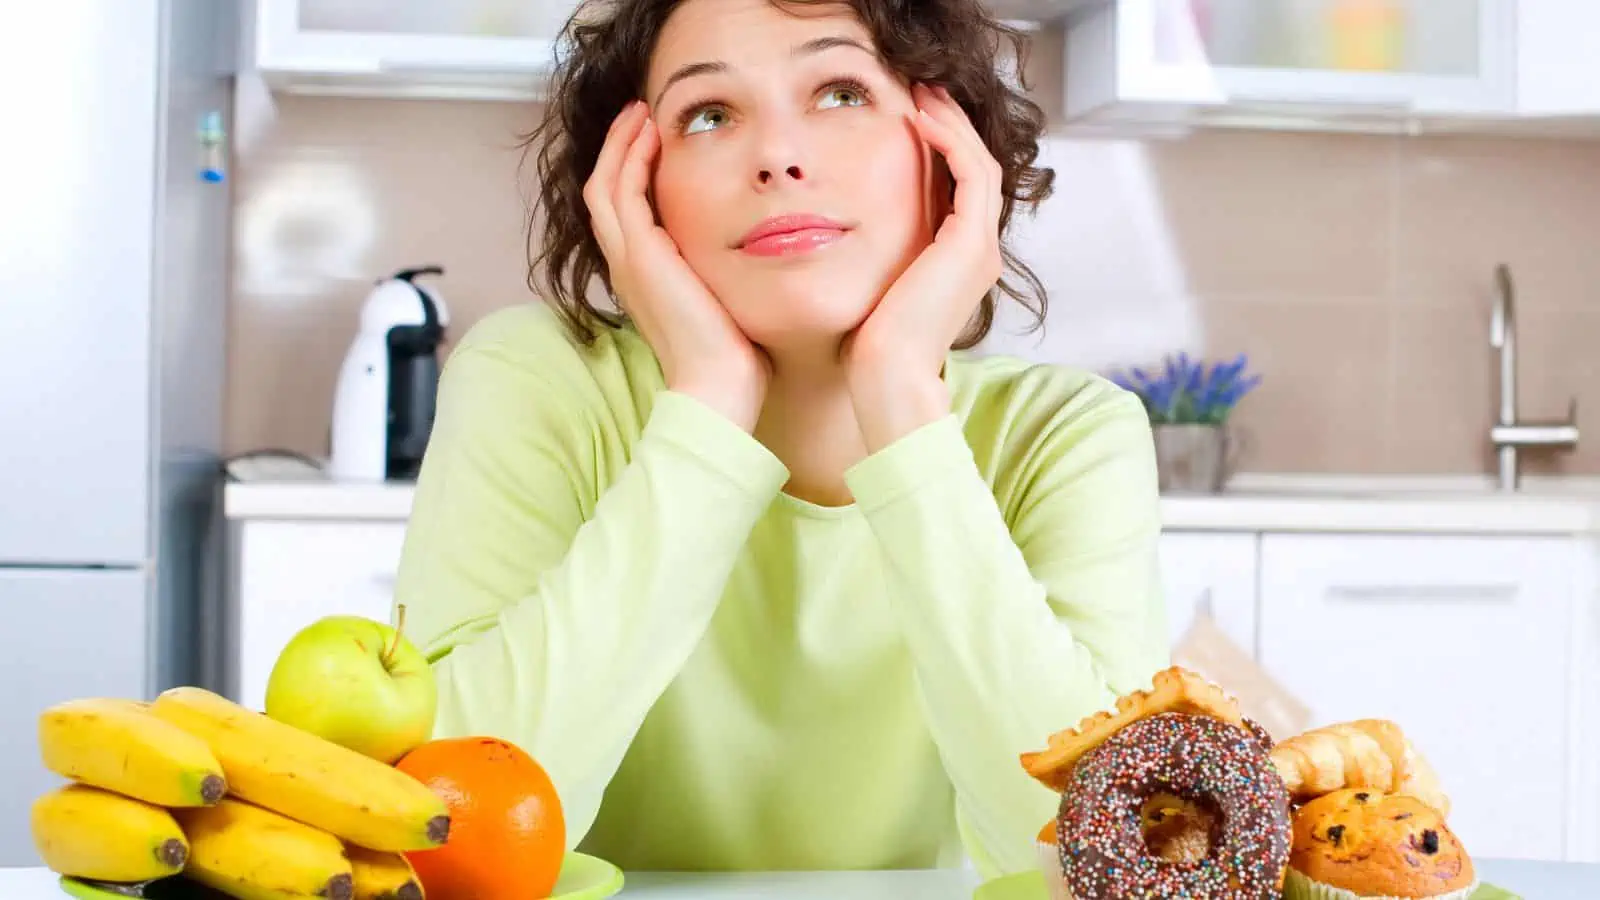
{"points": [[1189, 402]]}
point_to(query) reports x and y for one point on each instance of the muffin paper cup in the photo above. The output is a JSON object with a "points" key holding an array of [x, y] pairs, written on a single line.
{"points": [[1298, 887], [1050, 864]]}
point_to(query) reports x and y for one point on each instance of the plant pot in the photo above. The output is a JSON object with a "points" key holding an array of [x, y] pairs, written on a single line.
{"points": [[1192, 458]]}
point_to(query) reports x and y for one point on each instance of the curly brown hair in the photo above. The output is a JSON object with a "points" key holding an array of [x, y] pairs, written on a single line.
{"points": [[602, 64]]}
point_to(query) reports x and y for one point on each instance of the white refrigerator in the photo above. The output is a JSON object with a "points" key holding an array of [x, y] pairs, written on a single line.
{"points": [[114, 215]]}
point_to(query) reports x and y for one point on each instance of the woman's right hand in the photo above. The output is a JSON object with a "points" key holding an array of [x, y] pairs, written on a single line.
{"points": [[702, 352]]}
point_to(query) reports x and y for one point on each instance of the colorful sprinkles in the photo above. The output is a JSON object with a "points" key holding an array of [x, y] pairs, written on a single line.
{"points": [[1198, 757]]}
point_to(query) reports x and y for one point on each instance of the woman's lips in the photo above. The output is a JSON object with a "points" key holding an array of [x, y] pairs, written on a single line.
{"points": [[791, 234], [786, 243]]}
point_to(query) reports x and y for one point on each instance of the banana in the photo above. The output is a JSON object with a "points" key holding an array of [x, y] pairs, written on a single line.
{"points": [[383, 876], [119, 745], [294, 772], [87, 832], [256, 854]]}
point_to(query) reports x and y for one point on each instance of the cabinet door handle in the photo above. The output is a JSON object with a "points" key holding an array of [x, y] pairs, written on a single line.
{"points": [[1437, 593]]}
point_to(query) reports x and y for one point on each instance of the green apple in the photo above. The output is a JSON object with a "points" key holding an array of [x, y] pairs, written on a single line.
{"points": [[356, 682]]}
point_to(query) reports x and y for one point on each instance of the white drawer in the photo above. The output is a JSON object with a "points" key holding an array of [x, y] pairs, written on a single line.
{"points": [[293, 573]]}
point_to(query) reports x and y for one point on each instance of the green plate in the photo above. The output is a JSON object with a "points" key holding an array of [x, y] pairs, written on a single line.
{"points": [[583, 877], [1031, 886]]}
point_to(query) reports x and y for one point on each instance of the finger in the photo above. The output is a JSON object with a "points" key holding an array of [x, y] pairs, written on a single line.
{"points": [[630, 199], [621, 134], [598, 191], [622, 130], [944, 108], [623, 115], [970, 205], [949, 112]]}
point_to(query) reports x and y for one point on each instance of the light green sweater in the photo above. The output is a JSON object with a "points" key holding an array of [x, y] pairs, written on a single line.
{"points": [[718, 675]]}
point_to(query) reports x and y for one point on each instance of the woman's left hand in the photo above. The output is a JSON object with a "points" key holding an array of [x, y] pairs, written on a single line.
{"points": [[895, 359]]}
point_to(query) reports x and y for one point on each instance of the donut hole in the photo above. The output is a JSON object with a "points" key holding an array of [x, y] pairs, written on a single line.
{"points": [[1179, 829]]}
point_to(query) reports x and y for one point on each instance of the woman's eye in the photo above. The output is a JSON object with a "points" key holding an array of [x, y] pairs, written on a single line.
{"points": [[711, 115], [845, 95]]}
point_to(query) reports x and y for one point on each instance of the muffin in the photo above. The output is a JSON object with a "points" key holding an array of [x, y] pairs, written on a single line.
{"points": [[1176, 829], [1049, 853], [1363, 843]]}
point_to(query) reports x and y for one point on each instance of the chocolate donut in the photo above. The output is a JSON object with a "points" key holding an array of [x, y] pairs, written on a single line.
{"points": [[1217, 766], [1260, 733]]}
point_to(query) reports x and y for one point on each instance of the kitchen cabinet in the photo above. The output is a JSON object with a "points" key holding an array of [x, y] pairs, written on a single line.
{"points": [[1484, 648], [293, 573], [469, 49], [1558, 73], [1464, 641], [68, 634], [1213, 573], [1129, 65], [1329, 64]]}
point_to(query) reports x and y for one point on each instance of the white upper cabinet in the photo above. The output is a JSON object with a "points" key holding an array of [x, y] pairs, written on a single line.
{"points": [[1129, 64], [1329, 64], [1558, 68], [473, 49]]}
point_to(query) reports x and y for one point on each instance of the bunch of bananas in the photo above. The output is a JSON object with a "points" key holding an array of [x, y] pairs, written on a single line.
{"points": [[195, 785]]}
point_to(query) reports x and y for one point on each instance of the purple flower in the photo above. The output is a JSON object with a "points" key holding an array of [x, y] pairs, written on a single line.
{"points": [[1189, 391]]}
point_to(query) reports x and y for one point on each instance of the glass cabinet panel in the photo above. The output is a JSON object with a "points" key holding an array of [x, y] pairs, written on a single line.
{"points": [[1417, 37], [1410, 56], [460, 18]]}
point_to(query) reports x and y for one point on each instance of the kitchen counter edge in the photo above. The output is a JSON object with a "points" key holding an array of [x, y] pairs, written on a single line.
{"points": [[1458, 506]]}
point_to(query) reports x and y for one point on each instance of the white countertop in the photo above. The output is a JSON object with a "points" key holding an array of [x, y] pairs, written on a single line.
{"points": [[1433, 505], [1531, 880]]}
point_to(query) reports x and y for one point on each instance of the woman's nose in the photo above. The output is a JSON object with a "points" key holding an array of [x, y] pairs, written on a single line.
{"points": [[780, 153], [766, 176]]}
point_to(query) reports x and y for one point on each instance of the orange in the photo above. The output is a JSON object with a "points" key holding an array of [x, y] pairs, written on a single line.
{"points": [[507, 832]]}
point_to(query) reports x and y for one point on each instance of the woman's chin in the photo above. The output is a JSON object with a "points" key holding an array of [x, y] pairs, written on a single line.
{"points": [[802, 323]]}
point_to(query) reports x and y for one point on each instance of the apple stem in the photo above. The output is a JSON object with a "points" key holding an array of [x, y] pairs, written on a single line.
{"points": [[399, 626]]}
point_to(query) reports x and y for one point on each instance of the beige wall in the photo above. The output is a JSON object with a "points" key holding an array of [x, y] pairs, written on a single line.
{"points": [[1356, 270]]}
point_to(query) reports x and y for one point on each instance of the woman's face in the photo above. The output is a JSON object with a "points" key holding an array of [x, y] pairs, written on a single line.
{"points": [[767, 112]]}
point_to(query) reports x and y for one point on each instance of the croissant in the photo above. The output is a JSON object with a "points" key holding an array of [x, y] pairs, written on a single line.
{"points": [[1370, 753]]}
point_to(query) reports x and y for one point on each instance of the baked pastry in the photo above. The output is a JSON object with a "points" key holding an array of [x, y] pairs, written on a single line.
{"points": [[1171, 794], [1049, 855], [1177, 830], [1365, 753], [1363, 843], [1104, 847], [1174, 689]]}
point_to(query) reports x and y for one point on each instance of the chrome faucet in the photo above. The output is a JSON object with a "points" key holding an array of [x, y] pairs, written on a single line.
{"points": [[1507, 434]]}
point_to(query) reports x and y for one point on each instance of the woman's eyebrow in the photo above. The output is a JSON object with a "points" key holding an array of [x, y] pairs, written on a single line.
{"points": [[811, 47]]}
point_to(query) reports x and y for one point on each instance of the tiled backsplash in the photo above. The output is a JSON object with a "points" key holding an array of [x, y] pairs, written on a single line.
{"points": [[1357, 271]]}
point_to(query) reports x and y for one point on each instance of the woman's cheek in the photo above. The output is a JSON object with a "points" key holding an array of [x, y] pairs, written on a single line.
{"points": [[666, 190], [884, 159]]}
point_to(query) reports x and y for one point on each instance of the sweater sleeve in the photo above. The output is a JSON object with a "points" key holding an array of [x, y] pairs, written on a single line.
{"points": [[1018, 629], [557, 605]]}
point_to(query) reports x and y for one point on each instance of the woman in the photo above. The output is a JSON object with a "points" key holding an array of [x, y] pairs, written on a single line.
{"points": [[769, 576]]}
